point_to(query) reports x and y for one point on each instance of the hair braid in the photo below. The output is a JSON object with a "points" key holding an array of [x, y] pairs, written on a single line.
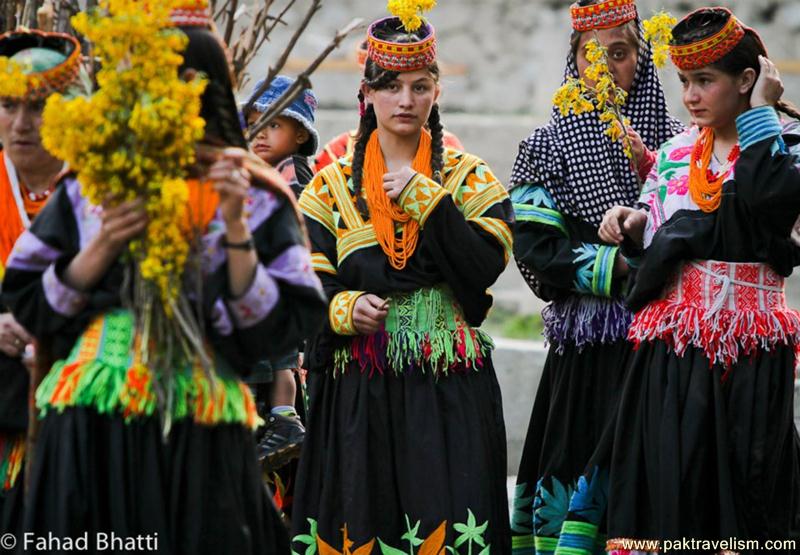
{"points": [[369, 122], [437, 144]]}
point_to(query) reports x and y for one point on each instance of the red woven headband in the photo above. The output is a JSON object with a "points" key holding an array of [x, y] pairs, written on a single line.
{"points": [[602, 15]]}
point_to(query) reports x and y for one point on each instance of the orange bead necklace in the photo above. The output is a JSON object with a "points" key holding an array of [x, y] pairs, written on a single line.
{"points": [[704, 186], [384, 213]]}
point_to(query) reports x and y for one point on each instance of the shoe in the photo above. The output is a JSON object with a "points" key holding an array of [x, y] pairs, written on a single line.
{"points": [[281, 442]]}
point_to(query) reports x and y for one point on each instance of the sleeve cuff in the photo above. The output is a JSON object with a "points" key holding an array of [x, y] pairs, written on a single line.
{"points": [[757, 124], [62, 298], [604, 270], [340, 312], [257, 302], [420, 196]]}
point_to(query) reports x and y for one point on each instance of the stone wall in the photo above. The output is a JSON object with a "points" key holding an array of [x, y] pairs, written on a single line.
{"points": [[507, 56]]}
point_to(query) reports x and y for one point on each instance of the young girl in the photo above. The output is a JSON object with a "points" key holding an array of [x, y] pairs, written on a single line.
{"points": [[705, 445], [405, 448], [102, 462], [567, 174]]}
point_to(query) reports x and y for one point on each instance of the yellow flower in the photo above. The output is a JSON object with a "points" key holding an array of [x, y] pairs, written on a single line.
{"points": [[13, 81], [135, 135], [410, 11], [658, 30]]}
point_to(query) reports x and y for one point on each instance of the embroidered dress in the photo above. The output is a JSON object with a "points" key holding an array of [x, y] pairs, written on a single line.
{"points": [[705, 445], [103, 461], [566, 176], [405, 445]]}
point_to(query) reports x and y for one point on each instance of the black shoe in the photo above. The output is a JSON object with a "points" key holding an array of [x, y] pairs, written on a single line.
{"points": [[283, 437]]}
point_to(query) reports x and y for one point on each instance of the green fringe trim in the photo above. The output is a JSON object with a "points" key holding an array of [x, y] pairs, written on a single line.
{"points": [[12, 455], [100, 373], [425, 329]]}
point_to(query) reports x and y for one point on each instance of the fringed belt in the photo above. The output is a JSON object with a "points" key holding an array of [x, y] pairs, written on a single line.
{"points": [[12, 455], [101, 372], [582, 320], [724, 308], [425, 330]]}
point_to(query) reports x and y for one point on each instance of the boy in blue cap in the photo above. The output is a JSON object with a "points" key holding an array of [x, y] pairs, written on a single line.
{"points": [[285, 143]]}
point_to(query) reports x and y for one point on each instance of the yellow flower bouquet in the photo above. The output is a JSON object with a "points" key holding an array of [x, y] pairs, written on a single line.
{"points": [[133, 138]]}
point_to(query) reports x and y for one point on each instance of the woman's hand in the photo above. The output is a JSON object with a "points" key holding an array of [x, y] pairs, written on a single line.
{"points": [[369, 313], [395, 182], [768, 88], [620, 221], [120, 224], [13, 337], [232, 182]]}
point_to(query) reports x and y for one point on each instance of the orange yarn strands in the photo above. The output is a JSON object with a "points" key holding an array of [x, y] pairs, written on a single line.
{"points": [[705, 187], [384, 213]]}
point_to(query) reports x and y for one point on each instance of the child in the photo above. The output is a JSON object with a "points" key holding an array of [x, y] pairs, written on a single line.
{"points": [[285, 143]]}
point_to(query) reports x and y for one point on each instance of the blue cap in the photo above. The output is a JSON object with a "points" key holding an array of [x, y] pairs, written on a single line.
{"points": [[302, 109]]}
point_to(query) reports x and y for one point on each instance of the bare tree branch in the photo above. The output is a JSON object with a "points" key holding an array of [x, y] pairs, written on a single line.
{"points": [[302, 82], [274, 70]]}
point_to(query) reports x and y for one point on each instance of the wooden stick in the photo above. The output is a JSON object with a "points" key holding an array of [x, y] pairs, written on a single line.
{"points": [[302, 81]]}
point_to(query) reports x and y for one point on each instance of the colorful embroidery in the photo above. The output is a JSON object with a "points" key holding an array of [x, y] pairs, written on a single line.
{"points": [[725, 309], [320, 263], [340, 312], [586, 254], [12, 455], [533, 203], [469, 540], [102, 373], [420, 197], [424, 329]]}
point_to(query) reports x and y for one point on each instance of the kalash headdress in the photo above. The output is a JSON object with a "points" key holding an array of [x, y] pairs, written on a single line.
{"points": [[403, 56], [603, 15], [191, 13], [706, 51], [36, 64]]}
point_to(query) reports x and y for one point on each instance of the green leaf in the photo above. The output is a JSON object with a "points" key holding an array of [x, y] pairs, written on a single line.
{"points": [[470, 519], [389, 550], [306, 539], [486, 550]]}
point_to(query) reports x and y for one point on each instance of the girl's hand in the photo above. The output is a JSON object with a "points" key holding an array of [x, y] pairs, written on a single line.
{"points": [[369, 312], [637, 145], [620, 221], [232, 182], [395, 182], [768, 88]]}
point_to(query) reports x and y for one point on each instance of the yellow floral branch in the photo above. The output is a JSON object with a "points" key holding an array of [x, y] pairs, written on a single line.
{"points": [[658, 30]]}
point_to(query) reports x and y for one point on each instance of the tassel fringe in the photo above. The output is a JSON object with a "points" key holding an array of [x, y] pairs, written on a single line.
{"points": [[582, 320]]}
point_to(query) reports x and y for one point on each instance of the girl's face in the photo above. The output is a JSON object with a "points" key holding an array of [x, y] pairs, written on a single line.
{"points": [[622, 54], [714, 98], [280, 139], [403, 107]]}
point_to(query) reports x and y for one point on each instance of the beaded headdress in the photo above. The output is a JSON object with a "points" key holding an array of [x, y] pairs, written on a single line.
{"points": [[708, 50], [38, 63], [602, 15], [417, 53], [191, 13]]}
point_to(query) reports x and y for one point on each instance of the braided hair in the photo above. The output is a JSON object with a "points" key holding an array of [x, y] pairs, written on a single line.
{"points": [[707, 22], [377, 78]]}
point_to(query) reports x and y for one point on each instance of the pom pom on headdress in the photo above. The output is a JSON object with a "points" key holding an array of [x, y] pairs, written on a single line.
{"points": [[410, 11]]}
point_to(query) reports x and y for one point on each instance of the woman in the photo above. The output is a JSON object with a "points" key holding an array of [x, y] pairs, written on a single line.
{"points": [[705, 445], [567, 174], [28, 175], [102, 461], [405, 444]]}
